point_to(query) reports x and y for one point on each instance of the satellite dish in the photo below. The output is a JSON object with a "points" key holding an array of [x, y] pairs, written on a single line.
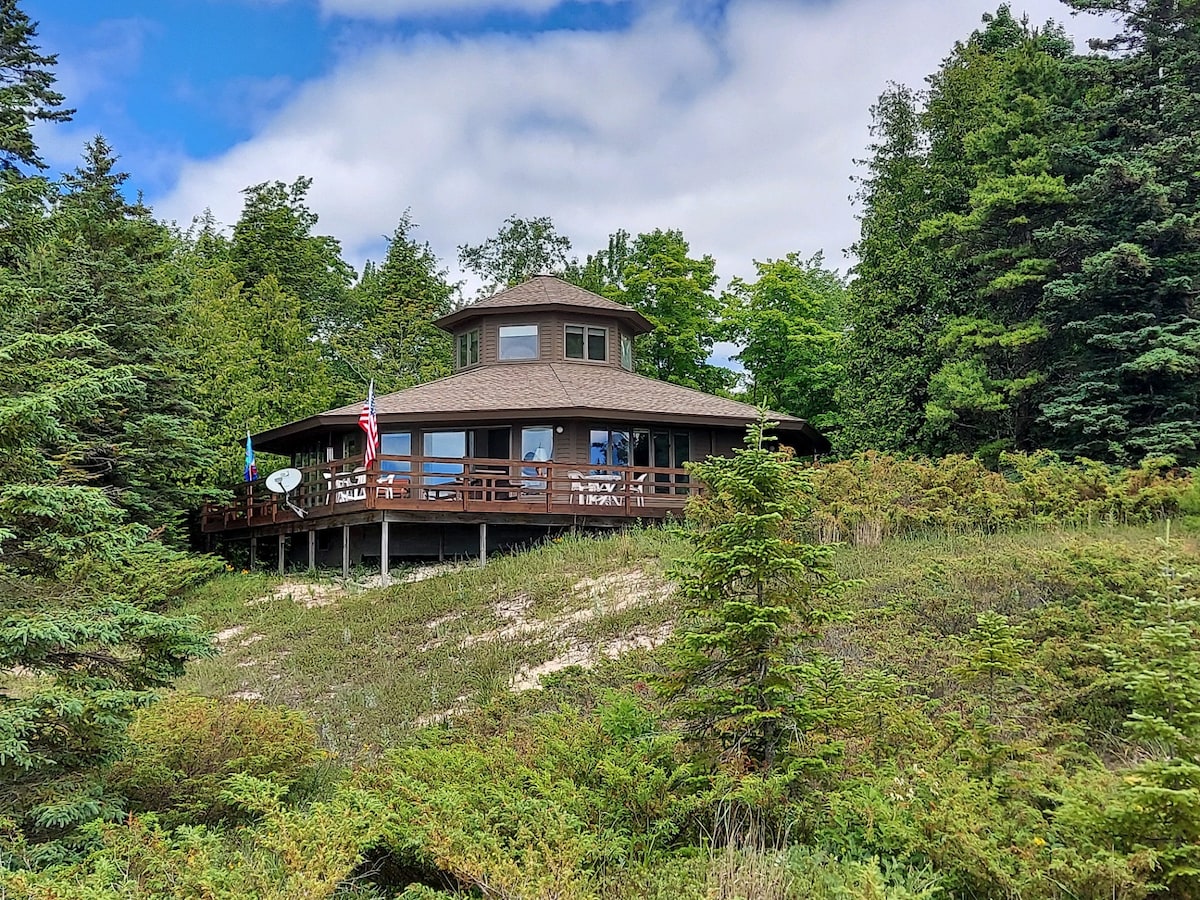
{"points": [[284, 481]]}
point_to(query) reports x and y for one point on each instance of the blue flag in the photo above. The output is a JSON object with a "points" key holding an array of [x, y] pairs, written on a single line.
{"points": [[251, 472]]}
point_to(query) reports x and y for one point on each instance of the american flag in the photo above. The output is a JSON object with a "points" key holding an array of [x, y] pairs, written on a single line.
{"points": [[367, 422]]}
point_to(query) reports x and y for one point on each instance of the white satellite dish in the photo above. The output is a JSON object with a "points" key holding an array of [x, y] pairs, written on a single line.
{"points": [[284, 481]]}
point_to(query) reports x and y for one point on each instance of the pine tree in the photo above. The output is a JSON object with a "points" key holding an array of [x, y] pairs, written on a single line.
{"points": [[1157, 807], [755, 595], [27, 92], [995, 115], [897, 290], [106, 266]]}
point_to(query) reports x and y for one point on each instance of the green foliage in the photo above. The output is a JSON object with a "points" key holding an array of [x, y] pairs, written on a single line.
{"points": [[274, 239], [521, 249], [754, 593], [676, 292], [788, 324], [182, 751], [1155, 808], [897, 289], [102, 274], [27, 94], [871, 496], [392, 340], [79, 664]]}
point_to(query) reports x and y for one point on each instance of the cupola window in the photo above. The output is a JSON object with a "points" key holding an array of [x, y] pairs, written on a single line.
{"points": [[518, 342], [584, 342], [468, 348]]}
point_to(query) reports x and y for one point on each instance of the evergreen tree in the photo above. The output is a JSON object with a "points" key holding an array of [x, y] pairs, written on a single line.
{"points": [[897, 291], [755, 594], [995, 119], [105, 267], [1156, 809], [1127, 384], [27, 92], [394, 341], [274, 238]]}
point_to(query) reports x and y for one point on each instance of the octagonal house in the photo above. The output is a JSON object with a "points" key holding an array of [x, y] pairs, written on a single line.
{"points": [[542, 426]]}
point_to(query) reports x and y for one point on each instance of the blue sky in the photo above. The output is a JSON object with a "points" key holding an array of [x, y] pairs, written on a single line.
{"points": [[736, 121]]}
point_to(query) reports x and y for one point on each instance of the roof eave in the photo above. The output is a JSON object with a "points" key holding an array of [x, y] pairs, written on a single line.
{"points": [[640, 323], [787, 424]]}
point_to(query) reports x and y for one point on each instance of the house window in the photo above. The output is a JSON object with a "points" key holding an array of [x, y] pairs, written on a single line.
{"points": [[518, 342], [584, 342], [468, 348], [608, 447], [626, 353], [395, 444], [448, 445], [537, 446]]}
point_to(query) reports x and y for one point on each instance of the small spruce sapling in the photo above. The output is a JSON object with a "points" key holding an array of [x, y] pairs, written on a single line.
{"points": [[990, 657], [755, 593], [1157, 807]]}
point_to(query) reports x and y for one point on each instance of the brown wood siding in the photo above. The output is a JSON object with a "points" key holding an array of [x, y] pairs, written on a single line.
{"points": [[551, 335]]}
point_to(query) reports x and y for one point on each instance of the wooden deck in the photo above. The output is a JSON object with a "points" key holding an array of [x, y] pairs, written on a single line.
{"points": [[438, 489]]}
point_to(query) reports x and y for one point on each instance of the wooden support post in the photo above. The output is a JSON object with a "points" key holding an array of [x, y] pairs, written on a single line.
{"points": [[253, 551], [281, 553], [483, 543], [345, 551], [384, 551], [312, 550], [441, 543]]}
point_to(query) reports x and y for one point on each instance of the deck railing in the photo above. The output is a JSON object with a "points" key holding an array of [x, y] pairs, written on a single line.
{"points": [[447, 484]]}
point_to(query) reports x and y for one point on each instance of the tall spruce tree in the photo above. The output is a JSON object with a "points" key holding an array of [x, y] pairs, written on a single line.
{"points": [[995, 119], [1126, 385], [898, 288], [27, 92], [105, 266], [83, 641]]}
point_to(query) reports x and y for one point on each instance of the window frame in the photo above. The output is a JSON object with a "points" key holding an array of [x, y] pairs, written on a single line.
{"points": [[463, 357], [536, 335], [587, 332], [626, 358]]}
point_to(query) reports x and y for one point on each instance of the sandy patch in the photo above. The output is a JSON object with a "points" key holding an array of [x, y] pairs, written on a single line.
{"points": [[224, 637], [245, 695], [608, 594], [530, 678]]}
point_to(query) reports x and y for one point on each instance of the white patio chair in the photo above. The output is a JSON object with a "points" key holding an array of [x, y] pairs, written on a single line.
{"points": [[637, 488], [578, 484]]}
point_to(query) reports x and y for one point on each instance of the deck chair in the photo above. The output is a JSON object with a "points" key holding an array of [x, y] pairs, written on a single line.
{"points": [[637, 489], [578, 484]]}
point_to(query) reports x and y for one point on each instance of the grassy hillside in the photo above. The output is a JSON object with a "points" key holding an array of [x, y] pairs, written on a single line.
{"points": [[450, 776], [370, 664]]}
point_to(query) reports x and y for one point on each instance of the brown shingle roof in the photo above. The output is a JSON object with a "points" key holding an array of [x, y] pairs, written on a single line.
{"points": [[544, 292], [556, 390]]}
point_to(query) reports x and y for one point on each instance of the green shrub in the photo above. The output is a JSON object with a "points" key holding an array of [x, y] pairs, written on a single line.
{"points": [[871, 496], [183, 750]]}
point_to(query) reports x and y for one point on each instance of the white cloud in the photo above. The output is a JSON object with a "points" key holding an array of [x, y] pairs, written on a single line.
{"points": [[396, 9], [743, 137]]}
